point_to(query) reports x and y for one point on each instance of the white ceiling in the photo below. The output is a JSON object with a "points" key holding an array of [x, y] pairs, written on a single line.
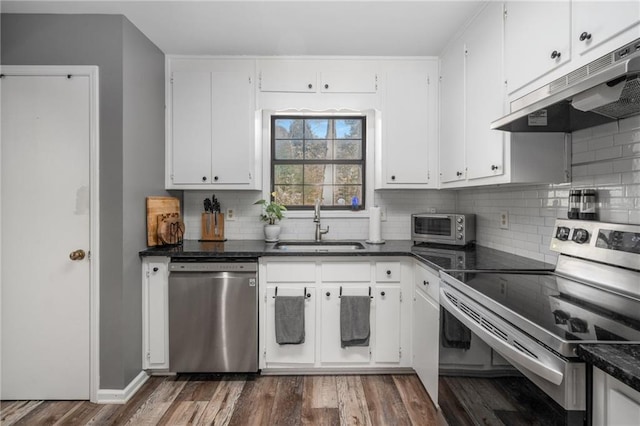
{"points": [[289, 27]]}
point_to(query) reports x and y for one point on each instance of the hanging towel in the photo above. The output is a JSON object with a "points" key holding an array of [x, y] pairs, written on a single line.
{"points": [[289, 316], [454, 333], [354, 320]]}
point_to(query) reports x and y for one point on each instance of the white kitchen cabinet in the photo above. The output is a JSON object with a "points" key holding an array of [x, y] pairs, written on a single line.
{"points": [[387, 306], [155, 313], [211, 140], [537, 40], [472, 93], [604, 26], [452, 128], [614, 403], [312, 76], [407, 155], [303, 353], [331, 350], [426, 335]]}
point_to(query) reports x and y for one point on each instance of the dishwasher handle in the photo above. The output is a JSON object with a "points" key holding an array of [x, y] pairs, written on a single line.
{"points": [[213, 266]]}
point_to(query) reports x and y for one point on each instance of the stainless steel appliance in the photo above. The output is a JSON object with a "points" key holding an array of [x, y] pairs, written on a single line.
{"points": [[444, 228], [604, 90], [536, 319], [213, 316]]}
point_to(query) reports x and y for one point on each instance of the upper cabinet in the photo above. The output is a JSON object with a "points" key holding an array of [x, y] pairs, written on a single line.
{"points": [[537, 40], [406, 155], [211, 132]]}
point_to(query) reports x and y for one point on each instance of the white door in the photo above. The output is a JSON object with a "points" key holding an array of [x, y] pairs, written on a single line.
{"points": [[46, 129]]}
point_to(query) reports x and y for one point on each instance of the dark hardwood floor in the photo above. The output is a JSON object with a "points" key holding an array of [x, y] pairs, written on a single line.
{"points": [[299, 400]]}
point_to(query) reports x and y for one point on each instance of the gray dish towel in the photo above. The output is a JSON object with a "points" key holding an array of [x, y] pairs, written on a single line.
{"points": [[454, 333], [354, 320], [289, 313]]}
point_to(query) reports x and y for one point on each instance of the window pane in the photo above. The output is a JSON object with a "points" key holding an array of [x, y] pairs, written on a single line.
{"points": [[288, 128], [348, 149], [313, 193], [318, 174], [317, 129], [287, 174], [318, 150], [289, 195], [348, 129], [343, 194], [288, 150], [348, 174]]}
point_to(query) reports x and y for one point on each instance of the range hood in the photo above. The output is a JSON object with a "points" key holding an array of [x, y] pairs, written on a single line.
{"points": [[602, 91]]}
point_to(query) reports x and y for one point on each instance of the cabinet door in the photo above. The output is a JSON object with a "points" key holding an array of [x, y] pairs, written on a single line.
{"points": [[303, 353], [191, 127], [426, 335], [288, 76], [533, 31], [407, 122], [233, 124], [156, 327], [348, 82], [614, 403], [484, 84], [387, 314], [331, 349], [596, 23], [452, 157]]}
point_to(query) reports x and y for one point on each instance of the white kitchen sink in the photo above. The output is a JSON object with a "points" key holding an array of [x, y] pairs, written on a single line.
{"points": [[318, 246]]}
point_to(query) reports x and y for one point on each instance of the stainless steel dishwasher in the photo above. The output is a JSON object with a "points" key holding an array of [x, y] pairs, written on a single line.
{"points": [[213, 316]]}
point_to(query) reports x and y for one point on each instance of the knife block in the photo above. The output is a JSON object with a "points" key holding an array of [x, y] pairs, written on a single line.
{"points": [[212, 227]]}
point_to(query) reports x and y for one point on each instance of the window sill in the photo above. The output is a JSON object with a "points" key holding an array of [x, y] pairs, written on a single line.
{"points": [[328, 214]]}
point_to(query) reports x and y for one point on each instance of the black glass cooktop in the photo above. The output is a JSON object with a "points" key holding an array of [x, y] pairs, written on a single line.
{"points": [[570, 310]]}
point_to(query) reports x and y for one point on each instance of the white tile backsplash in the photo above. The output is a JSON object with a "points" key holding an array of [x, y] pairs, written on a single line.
{"points": [[606, 158]]}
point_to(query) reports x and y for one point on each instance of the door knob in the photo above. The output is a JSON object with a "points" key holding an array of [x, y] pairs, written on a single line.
{"points": [[77, 255]]}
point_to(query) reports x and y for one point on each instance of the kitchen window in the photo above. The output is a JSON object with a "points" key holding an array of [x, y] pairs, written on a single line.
{"points": [[319, 157]]}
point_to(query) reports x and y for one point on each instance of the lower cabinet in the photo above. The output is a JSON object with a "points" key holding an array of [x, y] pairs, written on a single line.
{"points": [[155, 313], [614, 403], [329, 278]]}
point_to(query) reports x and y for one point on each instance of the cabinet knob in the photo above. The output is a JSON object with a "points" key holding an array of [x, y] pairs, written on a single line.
{"points": [[308, 295], [425, 282], [458, 174], [494, 167], [585, 36], [388, 272], [555, 54], [155, 269], [382, 293], [215, 178], [393, 177], [310, 86], [326, 86], [328, 293], [204, 178]]}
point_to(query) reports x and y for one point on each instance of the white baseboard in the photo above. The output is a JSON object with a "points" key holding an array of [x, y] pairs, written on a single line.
{"points": [[118, 396]]}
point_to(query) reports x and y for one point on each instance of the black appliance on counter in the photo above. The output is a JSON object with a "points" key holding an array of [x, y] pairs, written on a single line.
{"points": [[536, 319]]}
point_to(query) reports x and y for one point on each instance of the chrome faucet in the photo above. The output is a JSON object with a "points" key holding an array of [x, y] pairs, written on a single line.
{"points": [[316, 219]]}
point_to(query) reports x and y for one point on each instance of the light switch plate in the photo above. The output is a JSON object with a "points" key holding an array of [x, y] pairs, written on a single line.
{"points": [[383, 214], [504, 220]]}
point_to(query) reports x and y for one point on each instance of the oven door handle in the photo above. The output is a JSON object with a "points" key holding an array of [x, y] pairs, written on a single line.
{"points": [[504, 348]]}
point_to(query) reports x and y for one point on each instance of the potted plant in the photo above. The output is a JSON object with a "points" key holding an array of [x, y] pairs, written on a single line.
{"points": [[273, 212]]}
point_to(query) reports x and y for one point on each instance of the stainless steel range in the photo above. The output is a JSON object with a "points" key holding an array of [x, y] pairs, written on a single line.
{"points": [[536, 319]]}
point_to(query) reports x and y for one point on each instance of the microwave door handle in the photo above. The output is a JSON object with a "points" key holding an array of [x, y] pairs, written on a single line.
{"points": [[505, 349], [439, 216]]}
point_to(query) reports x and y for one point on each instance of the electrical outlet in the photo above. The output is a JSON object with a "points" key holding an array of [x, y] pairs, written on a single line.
{"points": [[504, 220], [383, 214], [231, 215], [432, 210]]}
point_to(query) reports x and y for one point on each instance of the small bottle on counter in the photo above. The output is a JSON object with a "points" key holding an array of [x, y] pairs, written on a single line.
{"points": [[588, 205], [575, 203]]}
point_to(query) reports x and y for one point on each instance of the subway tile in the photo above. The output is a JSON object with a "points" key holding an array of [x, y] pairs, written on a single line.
{"points": [[628, 137], [630, 150], [608, 153], [583, 157], [630, 123], [604, 130], [599, 143]]}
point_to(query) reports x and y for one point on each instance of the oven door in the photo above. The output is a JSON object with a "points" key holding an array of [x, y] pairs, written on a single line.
{"points": [[434, 228], [562, 379]]}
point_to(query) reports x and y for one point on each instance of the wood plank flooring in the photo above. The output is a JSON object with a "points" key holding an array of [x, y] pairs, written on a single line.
{"points": [[303, 400]]}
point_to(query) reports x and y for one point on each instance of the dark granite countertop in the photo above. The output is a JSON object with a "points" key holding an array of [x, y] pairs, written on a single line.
{"points": [[438, 258], [621, 361]]}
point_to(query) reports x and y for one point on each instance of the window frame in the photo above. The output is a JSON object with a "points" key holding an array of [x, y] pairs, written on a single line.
{"points": [[362, 161]]}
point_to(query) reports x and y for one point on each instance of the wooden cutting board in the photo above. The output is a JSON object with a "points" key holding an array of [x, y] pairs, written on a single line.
{"points": [[159, 206]]}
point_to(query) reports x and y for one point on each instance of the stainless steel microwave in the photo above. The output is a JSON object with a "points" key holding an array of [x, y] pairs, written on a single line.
{"points": [[444, 228]]}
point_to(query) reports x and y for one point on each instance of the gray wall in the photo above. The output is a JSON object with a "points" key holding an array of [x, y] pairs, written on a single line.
{"points": [[126, 120]]}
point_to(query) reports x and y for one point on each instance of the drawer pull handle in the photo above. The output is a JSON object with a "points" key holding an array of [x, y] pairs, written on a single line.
{"points": [[425, 282], [328, 293], [382, 293], [155, 269]]}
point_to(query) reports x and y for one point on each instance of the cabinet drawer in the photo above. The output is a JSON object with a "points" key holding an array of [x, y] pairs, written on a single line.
{"points": [[346, 271], [291, 272], [388, 272], [428, 282]]}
